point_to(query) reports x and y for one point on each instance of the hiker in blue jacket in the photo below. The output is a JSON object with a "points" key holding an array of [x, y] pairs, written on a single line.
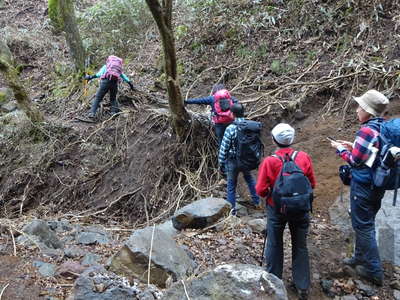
{"points": [[110, 75], [220, 102]]}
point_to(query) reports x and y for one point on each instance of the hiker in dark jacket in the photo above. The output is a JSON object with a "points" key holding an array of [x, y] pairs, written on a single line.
{"points": [[227, 161], [365, 198], [220, 119], [268, 174], [110, 75]]}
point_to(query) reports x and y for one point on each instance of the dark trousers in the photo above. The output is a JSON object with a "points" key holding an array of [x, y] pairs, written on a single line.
{"points": [[365, 202], [298, 226], [110, 86], [219, 131]]}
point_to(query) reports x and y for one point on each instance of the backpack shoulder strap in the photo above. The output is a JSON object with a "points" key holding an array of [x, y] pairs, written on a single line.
{"points": [[294, 155], [278, 157]]}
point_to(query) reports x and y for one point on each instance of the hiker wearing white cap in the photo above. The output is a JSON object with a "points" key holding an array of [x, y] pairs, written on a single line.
{"points": [[269, 174], [365, 198]]}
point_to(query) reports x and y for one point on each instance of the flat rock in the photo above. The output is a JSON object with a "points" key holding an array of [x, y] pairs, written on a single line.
{"points": [[98, 284], [92, 235], [70, 269], [74, 251], [45, 269], [60, 226], [91, 259], [41, 233], [201, 213], [257, 225], [233, 281], [168, 260]]}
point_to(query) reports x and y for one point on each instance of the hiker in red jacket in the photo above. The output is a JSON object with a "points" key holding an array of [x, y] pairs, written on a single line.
{"points": [[268, 174]]}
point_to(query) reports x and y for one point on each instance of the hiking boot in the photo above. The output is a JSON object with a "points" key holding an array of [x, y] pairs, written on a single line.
{"points": [[91, 115], [351, 262], [303, 294], [250, 205], [363, 273]]}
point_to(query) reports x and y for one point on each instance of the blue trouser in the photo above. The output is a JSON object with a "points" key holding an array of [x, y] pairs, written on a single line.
{"points": [[232, 172], [365, 202], [298, 226], [110, 86], [219, 131]]}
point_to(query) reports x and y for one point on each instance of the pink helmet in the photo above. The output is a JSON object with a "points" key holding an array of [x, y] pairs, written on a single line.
{"points": [[222, 94]]}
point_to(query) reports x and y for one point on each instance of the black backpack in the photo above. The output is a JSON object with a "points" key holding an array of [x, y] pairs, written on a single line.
{"points": [[249, 148], [292, 192], [225, 104]]}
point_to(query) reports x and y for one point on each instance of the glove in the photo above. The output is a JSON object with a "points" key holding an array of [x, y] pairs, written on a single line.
{"points": [[88, 77], [132, 86]]}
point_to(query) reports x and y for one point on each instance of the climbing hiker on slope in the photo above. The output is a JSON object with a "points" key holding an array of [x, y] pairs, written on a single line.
{"points": [[110, 74], [289, 200], [230, 161], [365, 197], [220, 102]]}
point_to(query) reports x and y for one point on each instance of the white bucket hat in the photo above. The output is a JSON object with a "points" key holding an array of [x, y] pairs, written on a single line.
{"points": [[373, 102], [283, 134]]}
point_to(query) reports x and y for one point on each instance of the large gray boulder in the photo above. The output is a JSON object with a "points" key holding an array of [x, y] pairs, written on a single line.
{"points": [[201, 213], [388, 229], [168, 260], [339, 212], [168, 228], [233, 281], [387, 224], [41, 234]]}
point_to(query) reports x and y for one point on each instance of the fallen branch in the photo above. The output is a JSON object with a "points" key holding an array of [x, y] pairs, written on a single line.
{"points": [[3, 289], [184, 287], [13, 240], [151, 250]]}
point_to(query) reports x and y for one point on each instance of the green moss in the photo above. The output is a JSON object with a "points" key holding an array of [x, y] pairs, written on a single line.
{"points": [[54, 14], [3, 96], [277, 67]]}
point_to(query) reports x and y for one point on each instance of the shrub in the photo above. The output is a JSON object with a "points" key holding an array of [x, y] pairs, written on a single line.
{"points": [[114, 26]]}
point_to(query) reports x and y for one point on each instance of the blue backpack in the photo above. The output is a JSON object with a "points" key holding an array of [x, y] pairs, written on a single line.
{"points": [[292, 192], [386, 169]]}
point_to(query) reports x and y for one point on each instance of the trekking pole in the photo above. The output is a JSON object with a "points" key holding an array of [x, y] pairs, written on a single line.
{"points": [[396, 183], [262, 254]]}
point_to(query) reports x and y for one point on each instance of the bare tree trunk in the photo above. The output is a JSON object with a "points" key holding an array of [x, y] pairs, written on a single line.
{"points": [[62, 15], [163, 17], [12, 79]]}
